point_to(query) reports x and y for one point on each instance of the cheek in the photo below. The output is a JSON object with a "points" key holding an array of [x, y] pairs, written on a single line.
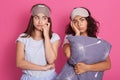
{"points": [[76, 24], [35, 21], [85, 25], [45, 21]]}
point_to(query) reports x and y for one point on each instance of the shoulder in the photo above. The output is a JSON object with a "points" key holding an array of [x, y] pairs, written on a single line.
{"points": [[55, 37], [67, 36], [22, 34], [21, 38], [65, 39]]}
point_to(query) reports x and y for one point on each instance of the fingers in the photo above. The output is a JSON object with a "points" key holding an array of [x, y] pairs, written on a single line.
{"points": [[76, 68], [77, 71], [75, 29], [80, 68], [52, 66], [72, 24], [49, 66], [46, 26]]}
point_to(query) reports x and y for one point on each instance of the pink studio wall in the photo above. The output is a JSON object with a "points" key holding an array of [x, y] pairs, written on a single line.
{"points": [[14, 16]]}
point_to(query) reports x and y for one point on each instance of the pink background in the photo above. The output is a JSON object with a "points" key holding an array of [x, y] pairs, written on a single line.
{"points": [[14, 16]]}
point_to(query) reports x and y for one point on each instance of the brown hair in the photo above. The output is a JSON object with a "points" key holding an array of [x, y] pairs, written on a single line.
{"points": [[31, 27]]}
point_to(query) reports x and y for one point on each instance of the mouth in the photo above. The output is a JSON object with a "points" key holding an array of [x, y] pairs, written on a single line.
{"points": [[39, 25], [80, 28]]}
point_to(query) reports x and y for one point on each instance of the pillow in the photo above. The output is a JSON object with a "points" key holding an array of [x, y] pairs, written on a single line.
{"points": [[88, 50]]}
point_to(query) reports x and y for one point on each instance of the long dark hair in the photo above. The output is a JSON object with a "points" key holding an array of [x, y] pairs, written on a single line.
{"points": [[31, 28], [92, 26]]}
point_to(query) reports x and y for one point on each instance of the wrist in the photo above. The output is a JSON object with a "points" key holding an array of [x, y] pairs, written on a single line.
{"points": [[44, 68], [41, 68], [47, 37]]}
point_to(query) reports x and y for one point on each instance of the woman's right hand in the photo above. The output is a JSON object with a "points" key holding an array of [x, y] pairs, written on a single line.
{"points": [[49, 67], [77, 32]]}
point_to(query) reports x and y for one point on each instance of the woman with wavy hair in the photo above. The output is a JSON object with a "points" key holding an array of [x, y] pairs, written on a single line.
{"points": [[84, 62]]}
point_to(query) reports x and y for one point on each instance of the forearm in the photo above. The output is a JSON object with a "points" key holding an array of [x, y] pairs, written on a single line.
{"points": [[101, 66], [23, 64], [50, 53]]}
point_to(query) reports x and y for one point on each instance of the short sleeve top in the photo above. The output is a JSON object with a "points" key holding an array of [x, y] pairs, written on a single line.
{"points": [[35, 53]]}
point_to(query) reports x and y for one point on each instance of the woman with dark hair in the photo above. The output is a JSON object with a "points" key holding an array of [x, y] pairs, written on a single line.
{"points": [[83, 26], [92, 25], [37, 47]]}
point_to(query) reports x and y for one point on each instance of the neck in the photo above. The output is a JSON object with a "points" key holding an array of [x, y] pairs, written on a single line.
{"points": [[84, 34], [37, 35]]}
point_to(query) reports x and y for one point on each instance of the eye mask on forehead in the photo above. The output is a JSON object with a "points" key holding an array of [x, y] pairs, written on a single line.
{"points": [[79, 12], [41, 9]]}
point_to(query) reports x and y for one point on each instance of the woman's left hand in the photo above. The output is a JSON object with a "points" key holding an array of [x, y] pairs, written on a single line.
{"points": [[46, 28], [80, 68]]}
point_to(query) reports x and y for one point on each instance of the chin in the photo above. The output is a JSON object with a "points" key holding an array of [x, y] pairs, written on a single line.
{"points": [[82, 31], [39, 29]]}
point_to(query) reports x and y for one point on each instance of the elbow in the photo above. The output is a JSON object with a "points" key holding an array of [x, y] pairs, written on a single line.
{"points": [[109, 67], [67, 55], [108, 63], [52, 61], [19, 64]]}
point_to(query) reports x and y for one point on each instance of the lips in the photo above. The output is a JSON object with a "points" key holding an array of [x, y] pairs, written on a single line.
{"points": [[39, 25]]}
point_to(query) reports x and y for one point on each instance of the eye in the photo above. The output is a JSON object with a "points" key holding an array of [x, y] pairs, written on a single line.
{"points": [[36, 17], [74, 21], [45, 18], [82, 19]]}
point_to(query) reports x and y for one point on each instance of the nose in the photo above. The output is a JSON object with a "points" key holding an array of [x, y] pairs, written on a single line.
{"points": [[79, 23], [40, 21]]}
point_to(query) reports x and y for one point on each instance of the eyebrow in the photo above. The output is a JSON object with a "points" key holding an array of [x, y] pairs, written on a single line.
{"points": [[44, 16], [39, 17], [79, 18], [82, 17]]}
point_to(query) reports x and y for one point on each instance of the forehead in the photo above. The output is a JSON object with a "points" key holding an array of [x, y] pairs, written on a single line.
{"points": [[77, 17], [41, 15]]}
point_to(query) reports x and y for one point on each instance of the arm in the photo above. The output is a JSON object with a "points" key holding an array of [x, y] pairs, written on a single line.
{"points": [[51, 50], [66, 49], [23, 64], [82, 67], [66, 46], [100, 66]]}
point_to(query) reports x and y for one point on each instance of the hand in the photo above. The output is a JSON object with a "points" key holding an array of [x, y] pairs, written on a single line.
{"points": [[46, 29], [49, 67], [80, 68], [77, 32]]}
